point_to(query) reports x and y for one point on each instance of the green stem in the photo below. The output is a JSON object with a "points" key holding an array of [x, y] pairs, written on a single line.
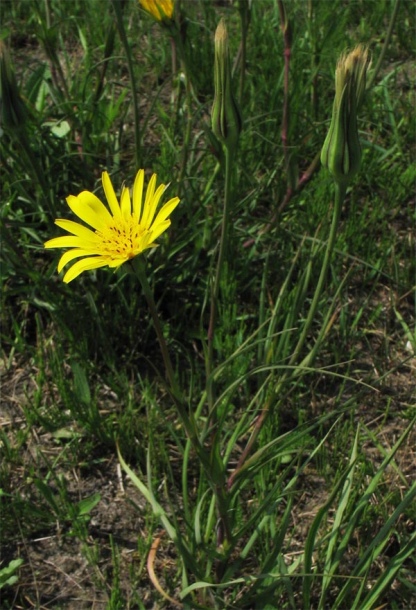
{"points": [[245, 18], [57, 72], [285, 27], [108, 51], [125, 43], [217, 282], [385, 45], [188, 97], [213, 472], [139, 269], [187, 419], [340, 191], [32, 158], [224, 533]]}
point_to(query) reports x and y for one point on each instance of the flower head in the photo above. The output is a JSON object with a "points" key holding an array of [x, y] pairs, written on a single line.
{"points": [[161, 10], [119, 233], [341, 152]]}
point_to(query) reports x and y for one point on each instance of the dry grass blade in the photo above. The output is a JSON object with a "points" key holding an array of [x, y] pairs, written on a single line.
{"points": [[152, 575]]}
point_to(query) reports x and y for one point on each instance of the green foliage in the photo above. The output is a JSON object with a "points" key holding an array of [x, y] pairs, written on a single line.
{"points": [[306, 373], [8, 574]]}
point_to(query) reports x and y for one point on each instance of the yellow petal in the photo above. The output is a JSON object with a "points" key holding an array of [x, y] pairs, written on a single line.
{"points": [[71, 255], [159, 9], [76, 229], [167, 7], [138, 193], [116, 262], [166, 210], [125, 203], [86, 264], [90, 209], [150, 191], [67, 241], [150, 207], [158, 229], [146, 242], [110, 195]]}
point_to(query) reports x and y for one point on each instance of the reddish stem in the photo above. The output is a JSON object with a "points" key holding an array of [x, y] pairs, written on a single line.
{"points": [[257, 427], [287, 38], [303, 180]]}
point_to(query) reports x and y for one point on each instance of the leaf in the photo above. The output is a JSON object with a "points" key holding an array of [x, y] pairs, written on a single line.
{"points": [[7, 574]]}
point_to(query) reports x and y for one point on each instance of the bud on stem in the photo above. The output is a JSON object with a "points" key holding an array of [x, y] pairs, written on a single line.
{"points": [[341, 152], [225, 116]]}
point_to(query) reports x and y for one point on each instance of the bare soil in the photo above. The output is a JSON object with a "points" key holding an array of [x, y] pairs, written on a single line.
{"points": [[63, 571]]}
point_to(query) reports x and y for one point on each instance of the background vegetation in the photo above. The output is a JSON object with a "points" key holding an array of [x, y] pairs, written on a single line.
{"points": [[81, 368]]}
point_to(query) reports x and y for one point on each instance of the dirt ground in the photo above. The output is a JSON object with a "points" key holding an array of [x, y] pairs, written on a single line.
{"points": [[61, 571]]}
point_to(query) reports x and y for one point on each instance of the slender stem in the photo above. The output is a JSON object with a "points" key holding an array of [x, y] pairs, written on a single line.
{"points": [[27, 153], [57, 72], [314, 60], [48, 13], [243, 64], [285, 26], [188, 98], [187, 419], [340, 191], [290, 192], [245, 15], [174, 55], [217, 282], [139, 268], [213, 472], [108, 51], [224, 533], [250, 443], [303, 180], [385, 45], [125, 43]]}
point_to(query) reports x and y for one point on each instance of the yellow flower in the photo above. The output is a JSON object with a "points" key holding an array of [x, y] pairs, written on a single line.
{"points": [[159, 9], [119, 234]]}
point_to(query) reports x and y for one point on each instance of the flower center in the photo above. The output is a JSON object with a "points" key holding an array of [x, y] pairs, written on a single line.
{"points": [[123, 238]]}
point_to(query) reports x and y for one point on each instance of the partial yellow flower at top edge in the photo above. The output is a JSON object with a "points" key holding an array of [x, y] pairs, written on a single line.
{"points": [[119, 233], [161, 10]]}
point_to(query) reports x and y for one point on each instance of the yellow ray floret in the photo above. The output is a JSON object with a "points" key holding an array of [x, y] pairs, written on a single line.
{"points": [[119, 233]]}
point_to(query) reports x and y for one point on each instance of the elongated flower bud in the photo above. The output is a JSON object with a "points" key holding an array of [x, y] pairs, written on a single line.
{"points": [[225, 116], [341, 152]]}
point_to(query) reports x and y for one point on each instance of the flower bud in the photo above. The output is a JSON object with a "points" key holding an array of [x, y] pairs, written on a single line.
{"points": [[225, 115], [341, 152]]}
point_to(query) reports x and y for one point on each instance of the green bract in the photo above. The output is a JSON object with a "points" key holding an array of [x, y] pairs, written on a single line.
{"points": [[225, 117], [341, 152]]}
